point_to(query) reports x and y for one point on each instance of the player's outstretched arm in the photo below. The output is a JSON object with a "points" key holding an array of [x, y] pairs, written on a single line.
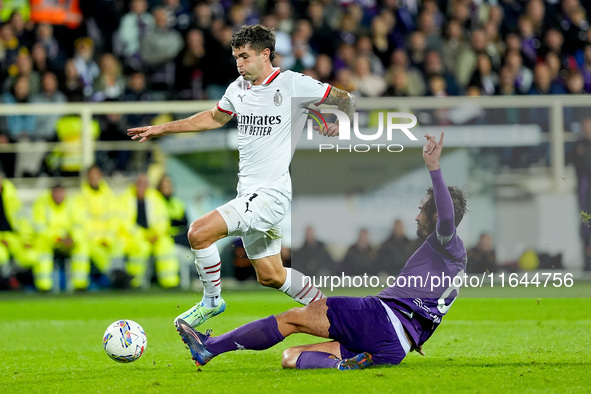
{"points": [[345, 101], [206, 120], [443, 201]]}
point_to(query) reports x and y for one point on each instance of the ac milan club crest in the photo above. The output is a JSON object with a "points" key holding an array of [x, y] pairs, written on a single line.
{"points": [[278, 98]]}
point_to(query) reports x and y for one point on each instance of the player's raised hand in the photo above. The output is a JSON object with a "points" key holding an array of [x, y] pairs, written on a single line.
{"points": [[145, 132], [432, 151]]}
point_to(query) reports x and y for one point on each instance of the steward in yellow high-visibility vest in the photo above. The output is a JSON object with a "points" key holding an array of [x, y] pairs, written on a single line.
{"points": [[16, 233], [145, 227], [58, 228], [98, 206]]}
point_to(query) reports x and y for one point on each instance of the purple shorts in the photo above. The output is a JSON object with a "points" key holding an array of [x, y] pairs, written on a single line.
{"points": [[362, 325]]}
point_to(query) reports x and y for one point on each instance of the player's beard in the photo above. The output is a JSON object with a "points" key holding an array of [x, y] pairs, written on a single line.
{"points": [[424, 229]]}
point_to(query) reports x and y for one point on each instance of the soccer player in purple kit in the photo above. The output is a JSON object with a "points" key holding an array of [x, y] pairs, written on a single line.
{"points": [[371, 330]]}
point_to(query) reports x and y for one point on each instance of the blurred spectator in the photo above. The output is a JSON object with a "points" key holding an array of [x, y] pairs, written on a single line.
{"points": [[313, 257], [417, 49], [84, 62], [178, 14], [437, 86], [202, 16], [586, 67], [177, 212], [344, 57], [71, 82], [16, 237], [56, 56], [417, 85], [145, 229], [468, 58], [190, 66], [136, 91], [159, 47], [9, 50], [45, 124], [22, 30], [574, 24], [344, 80], [543, 83], [359, 259], [582, 161], [110, 84], [20, 127], [427, 23], [365, 49], [434, 66], [482, 257], [454, 44], [368, 84], [301, 57], [381, 44], [39, 59], [100, 216], [23, 68], [523, 76], [398, 83], [394, 251], [529, 42], [134, 25], [221, 66], [59, 233], [323, 38], [484, 78], [323, 68]]}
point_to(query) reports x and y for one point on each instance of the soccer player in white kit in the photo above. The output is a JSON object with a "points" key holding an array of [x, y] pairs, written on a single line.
{"points": [[261, 100]]}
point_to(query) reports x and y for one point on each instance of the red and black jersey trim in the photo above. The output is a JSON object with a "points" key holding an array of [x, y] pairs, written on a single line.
{"points": [[325, 95], [272, 77], [225, 111]]}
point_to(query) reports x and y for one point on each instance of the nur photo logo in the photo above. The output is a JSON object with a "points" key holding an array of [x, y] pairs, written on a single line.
{"points": [[388, 123]]}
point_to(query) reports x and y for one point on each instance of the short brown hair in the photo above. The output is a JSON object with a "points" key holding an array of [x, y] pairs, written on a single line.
{"points": [[258, 37]]}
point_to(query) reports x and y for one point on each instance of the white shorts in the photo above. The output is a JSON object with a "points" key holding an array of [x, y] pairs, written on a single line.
{"points": [[254, 217]]}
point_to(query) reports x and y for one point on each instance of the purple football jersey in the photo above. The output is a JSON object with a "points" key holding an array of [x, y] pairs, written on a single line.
{"points": [[425, 288]]}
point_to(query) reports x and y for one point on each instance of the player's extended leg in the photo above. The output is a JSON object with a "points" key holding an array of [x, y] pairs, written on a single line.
{"points": [[203, 234], [258, 335], [270, 272]]}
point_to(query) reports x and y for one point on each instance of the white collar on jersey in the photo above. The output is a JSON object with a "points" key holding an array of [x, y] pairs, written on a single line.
{"points": [[248, 84], [272, 76]]}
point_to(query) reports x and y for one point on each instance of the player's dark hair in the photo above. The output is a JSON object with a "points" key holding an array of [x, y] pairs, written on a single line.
{"points": [[258, 37], [459, 198]]}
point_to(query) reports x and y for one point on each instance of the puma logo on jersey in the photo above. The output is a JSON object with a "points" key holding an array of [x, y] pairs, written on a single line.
{"points": [[254, 195], [241, 96]]}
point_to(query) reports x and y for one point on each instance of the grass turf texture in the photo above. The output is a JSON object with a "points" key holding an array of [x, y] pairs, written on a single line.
{"points": [[53, 343]]}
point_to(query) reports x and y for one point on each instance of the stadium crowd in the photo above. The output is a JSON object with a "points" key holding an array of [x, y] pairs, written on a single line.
{"points": [[144, 50]]}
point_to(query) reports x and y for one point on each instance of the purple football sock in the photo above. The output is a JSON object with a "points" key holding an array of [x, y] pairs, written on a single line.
{"points": [[315, 360], [257, 335]]}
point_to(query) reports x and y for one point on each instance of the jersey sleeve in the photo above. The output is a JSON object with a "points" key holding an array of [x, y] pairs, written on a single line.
{"points": [[225, 105], [308, 87], [445, 208]]}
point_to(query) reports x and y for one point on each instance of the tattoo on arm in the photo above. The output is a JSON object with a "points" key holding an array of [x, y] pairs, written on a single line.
{"points": [[343, 99]]}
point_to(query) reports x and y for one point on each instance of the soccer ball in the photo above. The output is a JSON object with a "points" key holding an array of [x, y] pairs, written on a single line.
{"points": [[125, 341]]}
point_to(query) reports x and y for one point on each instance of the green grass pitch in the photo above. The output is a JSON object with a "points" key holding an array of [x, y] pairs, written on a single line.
{"points": [[53, 343]]}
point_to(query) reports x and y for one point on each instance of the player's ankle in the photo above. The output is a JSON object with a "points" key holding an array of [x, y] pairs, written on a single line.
{"points": [[212, 301]]}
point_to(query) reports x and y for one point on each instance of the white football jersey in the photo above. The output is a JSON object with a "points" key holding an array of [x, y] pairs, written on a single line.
{"points": [[264, 113]]}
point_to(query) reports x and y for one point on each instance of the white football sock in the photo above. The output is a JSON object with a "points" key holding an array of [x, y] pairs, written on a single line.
{"points": [[300, 288], [209, 267]]}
